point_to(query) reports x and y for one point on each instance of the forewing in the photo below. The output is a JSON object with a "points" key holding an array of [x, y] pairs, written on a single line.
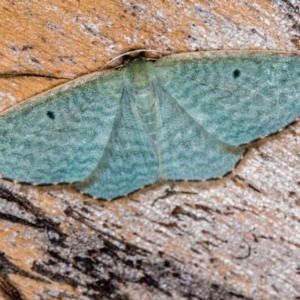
{"points": [[129, 162], [235, 97], [60, 136]]}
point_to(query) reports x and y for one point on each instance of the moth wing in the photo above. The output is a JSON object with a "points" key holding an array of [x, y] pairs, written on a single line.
{"points": [[61, 135], [236, 97], [128, 162], [186, 149]]}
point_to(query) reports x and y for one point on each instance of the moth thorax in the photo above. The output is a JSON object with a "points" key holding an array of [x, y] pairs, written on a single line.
{"points": [[144, 98]]}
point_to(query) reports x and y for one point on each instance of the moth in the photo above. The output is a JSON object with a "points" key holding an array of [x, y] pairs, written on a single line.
{"points": [[186, 116]]}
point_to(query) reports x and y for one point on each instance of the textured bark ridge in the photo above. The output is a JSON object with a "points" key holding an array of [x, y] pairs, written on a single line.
{"points": [[101, 265]]}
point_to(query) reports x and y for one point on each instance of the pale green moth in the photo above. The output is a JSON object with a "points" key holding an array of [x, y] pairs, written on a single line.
{"points": [[182, 117]]}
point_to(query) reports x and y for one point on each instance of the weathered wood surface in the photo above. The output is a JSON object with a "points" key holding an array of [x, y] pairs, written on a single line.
{"points": [[235, 238]]}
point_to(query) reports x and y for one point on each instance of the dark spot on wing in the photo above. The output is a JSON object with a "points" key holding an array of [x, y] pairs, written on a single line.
{"points": [[51, 115], [236, 73]]}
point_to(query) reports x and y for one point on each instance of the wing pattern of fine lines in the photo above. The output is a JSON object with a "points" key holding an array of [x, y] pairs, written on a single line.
{"points": [[238, 97], [128, 160], [187, 150], [53, 139], [207, 106]]}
